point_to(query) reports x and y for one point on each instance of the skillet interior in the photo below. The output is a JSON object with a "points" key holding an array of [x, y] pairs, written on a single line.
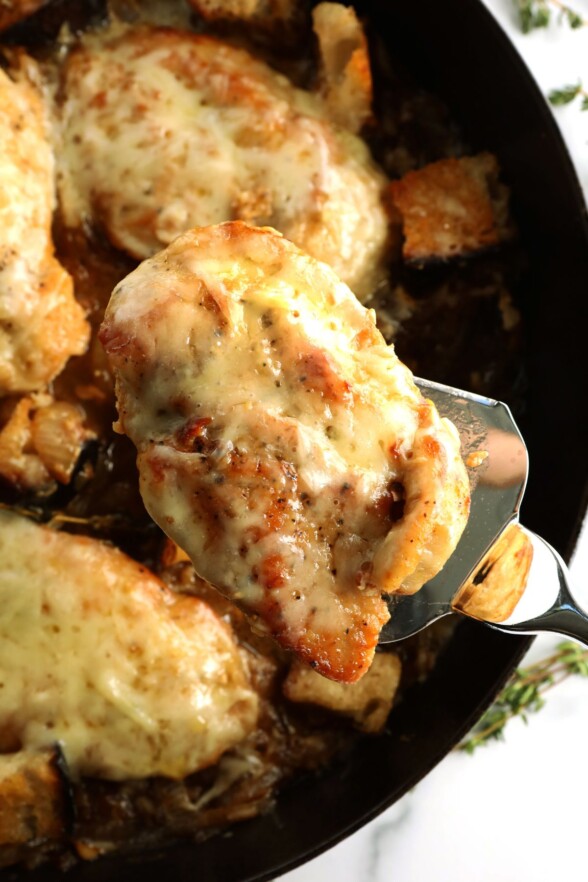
{"points": [[455, 50]]}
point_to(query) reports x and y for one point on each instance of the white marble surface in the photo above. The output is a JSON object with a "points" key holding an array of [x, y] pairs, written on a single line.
{"points": [[515, 811]]}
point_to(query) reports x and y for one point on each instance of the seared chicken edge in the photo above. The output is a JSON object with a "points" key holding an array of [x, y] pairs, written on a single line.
{"points": [[280, 441]]}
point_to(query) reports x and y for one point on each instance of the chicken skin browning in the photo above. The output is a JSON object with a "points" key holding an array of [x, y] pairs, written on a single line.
{"points": [[41, 324], [280, 441], [165, 130]]}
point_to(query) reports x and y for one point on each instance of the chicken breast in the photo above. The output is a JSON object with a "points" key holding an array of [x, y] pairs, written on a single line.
{"points": [[281, 442], [164, 130], [41, 324], [98, 655]]}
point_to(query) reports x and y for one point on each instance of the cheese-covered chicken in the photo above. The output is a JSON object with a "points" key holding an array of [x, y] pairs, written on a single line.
{"points": [[165, 130], [97, 654], [281, 442], [41, 324]]}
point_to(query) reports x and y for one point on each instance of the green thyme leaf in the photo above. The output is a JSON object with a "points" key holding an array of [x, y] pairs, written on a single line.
{"points": [[564, 95], [532, 14], [524, 694], [574, 20], [537, 14]]}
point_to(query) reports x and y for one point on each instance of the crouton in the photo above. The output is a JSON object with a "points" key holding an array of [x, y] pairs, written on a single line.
{"points": [[367, 702], [451, 208]]}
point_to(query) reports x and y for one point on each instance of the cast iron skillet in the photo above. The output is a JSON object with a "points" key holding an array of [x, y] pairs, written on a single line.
{"points": [[456, 50]]}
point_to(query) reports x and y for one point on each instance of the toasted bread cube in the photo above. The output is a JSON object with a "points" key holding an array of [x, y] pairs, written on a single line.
{"points": [[367, 702], [452, 207], [34, 801], [499, 582], [345, 77]]}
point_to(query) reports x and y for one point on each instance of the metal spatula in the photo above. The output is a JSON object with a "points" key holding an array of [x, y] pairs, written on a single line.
{"points": [[497, 456]]}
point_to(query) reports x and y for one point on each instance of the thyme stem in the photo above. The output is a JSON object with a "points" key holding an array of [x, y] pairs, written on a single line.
{"points": [[524, 693], [574, 19]]}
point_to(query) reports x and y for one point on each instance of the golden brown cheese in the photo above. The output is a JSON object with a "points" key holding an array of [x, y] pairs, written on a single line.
{"points": [[165, 130], [96, 653], [41, 324], [451, 207], [281, 442]]}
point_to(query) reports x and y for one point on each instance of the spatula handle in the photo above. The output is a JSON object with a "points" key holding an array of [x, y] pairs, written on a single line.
{"points": [[565, 615]]}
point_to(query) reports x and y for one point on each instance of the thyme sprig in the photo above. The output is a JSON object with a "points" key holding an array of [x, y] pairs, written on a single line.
{"points": [[524, 693], [567, 94], [539, 13]]}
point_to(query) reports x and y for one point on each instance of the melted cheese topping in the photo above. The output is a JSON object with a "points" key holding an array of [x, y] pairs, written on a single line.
{"points": [[164, 130], [281, 442], [41, 324], [97, 654]]}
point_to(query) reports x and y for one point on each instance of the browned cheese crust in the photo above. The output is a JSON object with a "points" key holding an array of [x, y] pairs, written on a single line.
{"points": [[165, 130], [281, 442]]}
